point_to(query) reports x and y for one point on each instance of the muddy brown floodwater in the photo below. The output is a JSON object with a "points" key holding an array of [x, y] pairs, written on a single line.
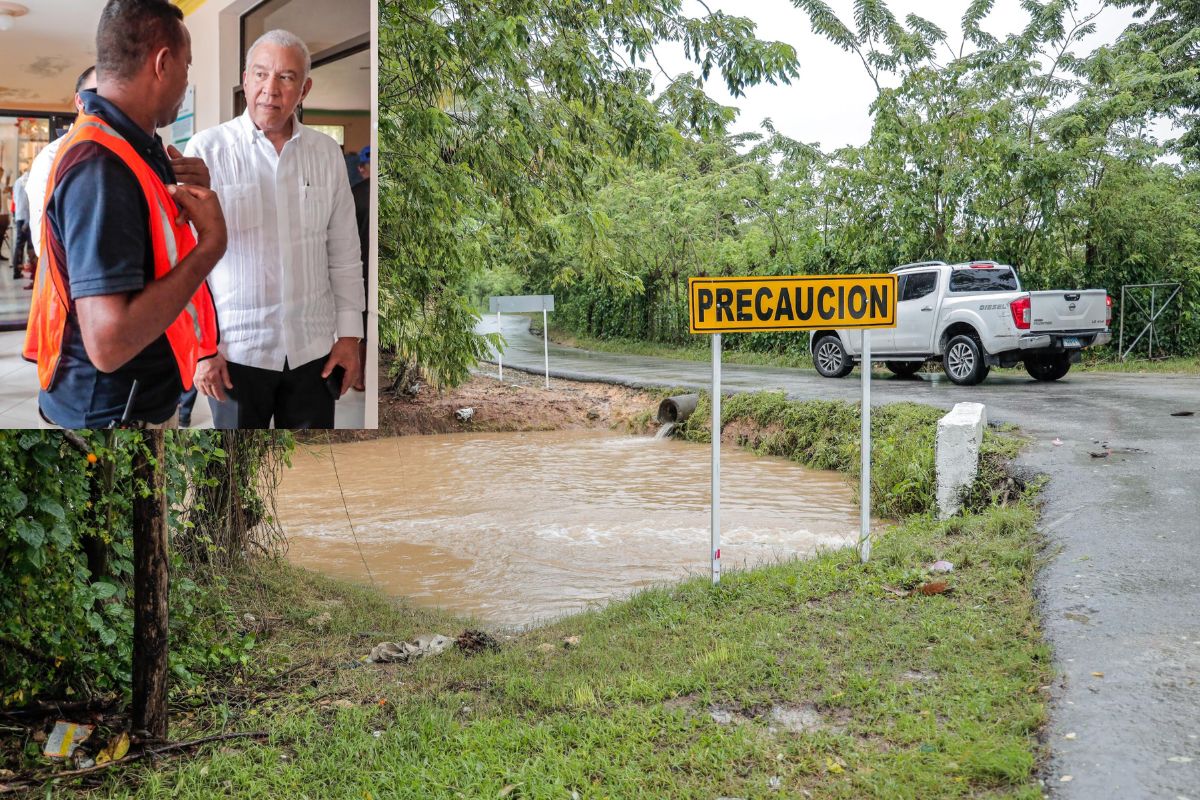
{"points": [[518, 528]]}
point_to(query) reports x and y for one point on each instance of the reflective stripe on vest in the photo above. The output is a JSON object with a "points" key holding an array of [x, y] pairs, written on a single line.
{"points": [[192, 336]]}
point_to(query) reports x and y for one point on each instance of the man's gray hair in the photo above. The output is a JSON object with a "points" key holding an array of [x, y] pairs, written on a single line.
{"points": [[282, 38]]}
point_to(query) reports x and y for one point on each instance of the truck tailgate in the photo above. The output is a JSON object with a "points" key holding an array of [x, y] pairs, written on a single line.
{"points": [[1073, 310]]}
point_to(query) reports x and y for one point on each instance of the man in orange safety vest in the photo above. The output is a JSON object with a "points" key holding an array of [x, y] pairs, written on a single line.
{"points": [[121, 312]]}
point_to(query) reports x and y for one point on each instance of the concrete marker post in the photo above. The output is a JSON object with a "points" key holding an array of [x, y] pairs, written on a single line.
{"points": [[716, 459], [546, 344], [499, 349], [864, 539]]}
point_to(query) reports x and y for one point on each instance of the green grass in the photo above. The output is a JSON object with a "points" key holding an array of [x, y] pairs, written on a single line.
{"points": [[824, 434], [1186, 365], [700, 351], [909, 697]]}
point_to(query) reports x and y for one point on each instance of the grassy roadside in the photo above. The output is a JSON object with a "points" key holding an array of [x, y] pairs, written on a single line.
{"points": [[1176, 364], [699, 352], [808, 678], [1183, 365], [824, 434]]}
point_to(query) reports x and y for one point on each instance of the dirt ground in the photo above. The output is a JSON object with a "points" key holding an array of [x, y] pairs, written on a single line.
{"points": [[521, 403]]}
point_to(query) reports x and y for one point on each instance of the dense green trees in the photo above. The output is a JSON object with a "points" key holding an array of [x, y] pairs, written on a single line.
{"points": [[1169, 31], [495, 114], [1026, 149]]}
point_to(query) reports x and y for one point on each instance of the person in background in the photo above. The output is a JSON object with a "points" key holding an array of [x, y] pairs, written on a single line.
{"points": [[120, 311], [21, 222], [352, 171], [39, 170], [362, 215], [289, 290], [4, 223]]}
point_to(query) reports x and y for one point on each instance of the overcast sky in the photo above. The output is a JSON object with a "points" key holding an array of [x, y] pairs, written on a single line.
{"points": [[828, 103]]}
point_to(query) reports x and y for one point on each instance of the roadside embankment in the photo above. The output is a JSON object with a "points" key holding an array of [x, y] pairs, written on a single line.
{"points": [[824, 678], [520, 403]]}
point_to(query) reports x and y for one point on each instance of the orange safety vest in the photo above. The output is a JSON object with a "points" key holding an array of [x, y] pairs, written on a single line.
{"points": [[192, 336]]}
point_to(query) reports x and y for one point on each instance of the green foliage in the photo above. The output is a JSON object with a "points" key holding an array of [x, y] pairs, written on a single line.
{"points": [[494, 115], [220, 497], [66, 557], [43, 517], [1024, 149], [1169, 31]]}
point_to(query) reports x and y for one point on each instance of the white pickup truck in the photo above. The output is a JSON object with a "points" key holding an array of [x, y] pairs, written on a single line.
{"points": [[973, 316]]}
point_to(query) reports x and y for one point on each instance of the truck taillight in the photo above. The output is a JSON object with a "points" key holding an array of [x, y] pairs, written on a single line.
{"points": [[1020, 312], [1108, 311]]}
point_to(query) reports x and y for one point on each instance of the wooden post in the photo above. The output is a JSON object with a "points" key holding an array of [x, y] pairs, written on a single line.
{"points": [[150, 587]]}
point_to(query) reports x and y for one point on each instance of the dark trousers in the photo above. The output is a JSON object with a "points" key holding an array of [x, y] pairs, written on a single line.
{"points": [[187, 401], [24, 242], [293, 398]]}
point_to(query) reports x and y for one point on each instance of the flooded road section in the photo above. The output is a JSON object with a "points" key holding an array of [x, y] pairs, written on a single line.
{"points": [[519, 528]]}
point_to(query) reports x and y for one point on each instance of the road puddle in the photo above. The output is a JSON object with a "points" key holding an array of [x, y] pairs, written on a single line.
{"points": [[519, 528]]}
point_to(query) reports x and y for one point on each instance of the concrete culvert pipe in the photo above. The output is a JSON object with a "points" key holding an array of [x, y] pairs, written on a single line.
{"points": [[677, 408]]}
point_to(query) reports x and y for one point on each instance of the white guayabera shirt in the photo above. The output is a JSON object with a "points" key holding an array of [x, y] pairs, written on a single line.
{"points": [[290, 281], [39, 178]]}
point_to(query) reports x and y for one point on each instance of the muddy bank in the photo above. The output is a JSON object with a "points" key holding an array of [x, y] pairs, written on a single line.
{"points": [[521, 403]]}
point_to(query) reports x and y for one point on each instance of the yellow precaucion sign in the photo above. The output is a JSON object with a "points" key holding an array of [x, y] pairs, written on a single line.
{"points": [[791, 303]]}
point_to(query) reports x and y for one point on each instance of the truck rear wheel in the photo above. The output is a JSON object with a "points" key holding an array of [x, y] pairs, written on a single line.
{"points": [[1048, 367], [830, 357], [903, 369], [963, 361]]}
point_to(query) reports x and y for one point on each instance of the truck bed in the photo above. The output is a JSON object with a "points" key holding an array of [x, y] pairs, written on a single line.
{"points": [[1068, 311]]}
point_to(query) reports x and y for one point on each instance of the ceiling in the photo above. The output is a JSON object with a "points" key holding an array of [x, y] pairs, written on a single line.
{"points": [[45, 51], [47, 48]]}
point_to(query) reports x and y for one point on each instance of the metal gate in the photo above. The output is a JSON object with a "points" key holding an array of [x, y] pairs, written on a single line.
{"points": [[1155, 310]]}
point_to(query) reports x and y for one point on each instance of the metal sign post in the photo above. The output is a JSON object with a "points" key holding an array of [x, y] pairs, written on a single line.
{"points": [[864, 538], [741, 304], [716, 459], [546, 345], [524, 304]]}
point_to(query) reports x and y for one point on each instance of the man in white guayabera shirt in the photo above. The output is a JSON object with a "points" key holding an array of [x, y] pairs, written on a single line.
{"points": [[289, 291]]}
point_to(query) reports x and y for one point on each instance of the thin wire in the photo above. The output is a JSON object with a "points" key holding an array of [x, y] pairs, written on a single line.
{"points": [[346, 508]]}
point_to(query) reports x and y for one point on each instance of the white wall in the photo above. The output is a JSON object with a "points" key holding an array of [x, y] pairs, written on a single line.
{"points": [[215, 58]]}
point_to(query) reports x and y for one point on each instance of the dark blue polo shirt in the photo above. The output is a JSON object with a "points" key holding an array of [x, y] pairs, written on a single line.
{"points": [[100, 221]]}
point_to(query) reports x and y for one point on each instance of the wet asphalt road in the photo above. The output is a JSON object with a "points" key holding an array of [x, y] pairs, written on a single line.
{"points": [[1120, 593]]}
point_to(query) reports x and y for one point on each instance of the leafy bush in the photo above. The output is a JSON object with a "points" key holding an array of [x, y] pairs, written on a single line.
{"points": [[66, 563]]}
